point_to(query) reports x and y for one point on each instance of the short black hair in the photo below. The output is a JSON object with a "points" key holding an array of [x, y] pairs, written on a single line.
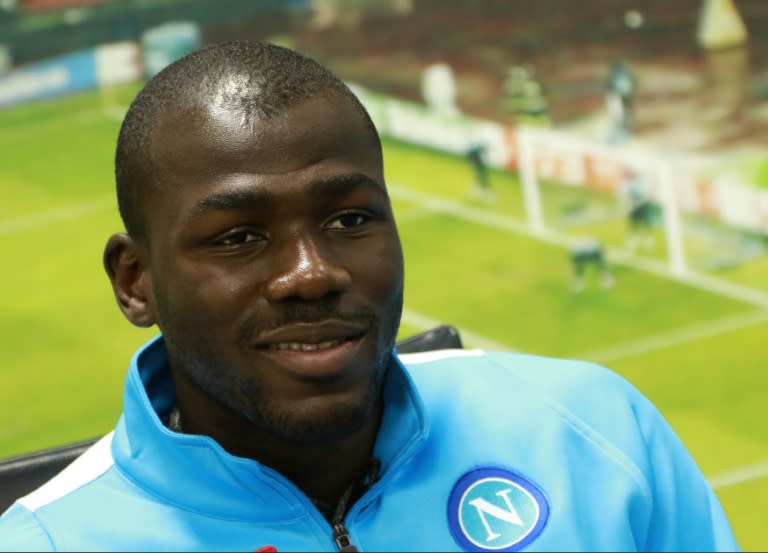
{"points": [[260, 79]]}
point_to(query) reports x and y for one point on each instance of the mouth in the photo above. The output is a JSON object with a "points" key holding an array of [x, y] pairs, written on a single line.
{"points": [[305, 346], [313, 350]]}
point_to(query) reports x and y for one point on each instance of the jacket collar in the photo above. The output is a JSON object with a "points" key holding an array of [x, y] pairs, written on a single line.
{"points": [[196, 473]]}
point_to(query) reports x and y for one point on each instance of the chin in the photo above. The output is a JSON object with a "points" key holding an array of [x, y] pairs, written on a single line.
{"points": [[318, 420], [319, 417]]}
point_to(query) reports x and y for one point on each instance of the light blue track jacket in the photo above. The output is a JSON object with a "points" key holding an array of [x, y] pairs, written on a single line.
{"points": [[480, 451]]}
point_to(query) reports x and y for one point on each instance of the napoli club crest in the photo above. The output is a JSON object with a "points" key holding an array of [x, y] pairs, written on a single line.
{"points": [[495, 509]]}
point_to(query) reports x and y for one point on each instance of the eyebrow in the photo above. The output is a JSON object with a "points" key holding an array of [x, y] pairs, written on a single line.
{"points": [[337, 185], [232, 199], [341, 185]]}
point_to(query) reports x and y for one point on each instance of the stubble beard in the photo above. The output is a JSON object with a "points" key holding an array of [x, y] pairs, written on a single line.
{"points": [[246, 395]]}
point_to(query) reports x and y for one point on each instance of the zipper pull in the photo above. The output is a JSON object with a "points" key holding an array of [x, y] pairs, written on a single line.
{"points": [[340, 532], [341, 537]]}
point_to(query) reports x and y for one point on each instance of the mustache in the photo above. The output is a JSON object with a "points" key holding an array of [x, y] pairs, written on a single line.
{"points": [[301, 313]]}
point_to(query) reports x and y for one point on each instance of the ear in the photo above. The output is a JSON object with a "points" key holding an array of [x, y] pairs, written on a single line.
{"points": [[127, 265]]}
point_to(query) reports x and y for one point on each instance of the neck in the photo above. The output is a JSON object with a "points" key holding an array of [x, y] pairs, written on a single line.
{"points": [[324, 471]]}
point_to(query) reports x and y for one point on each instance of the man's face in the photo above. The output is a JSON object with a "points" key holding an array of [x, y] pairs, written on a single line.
{"points": [[276, 271]]}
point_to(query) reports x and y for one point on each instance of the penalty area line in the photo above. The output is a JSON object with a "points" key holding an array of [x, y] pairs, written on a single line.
{"points": [[56, 215], [424, 322], [739, 475], [502, 222], [676, 337]]}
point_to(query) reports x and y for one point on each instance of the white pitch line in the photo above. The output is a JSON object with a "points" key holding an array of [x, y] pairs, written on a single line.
{"points": [[418, 320], [85, 116], [51, 216], [409, 215], [35, 127], [692, 278], [510, 224], [739, 475], [689, 333]]}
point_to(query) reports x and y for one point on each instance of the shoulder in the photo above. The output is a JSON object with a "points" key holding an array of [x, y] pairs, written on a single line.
{"points": [[554, 377], [574, 418], [21, 531], [594, 402], [81, 473], [35, 521]]}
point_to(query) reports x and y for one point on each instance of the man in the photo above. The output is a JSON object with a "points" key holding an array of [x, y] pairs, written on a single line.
{"points": [[273, 414], [481, 187], [585, 252], [640, 210], [621, 88]]}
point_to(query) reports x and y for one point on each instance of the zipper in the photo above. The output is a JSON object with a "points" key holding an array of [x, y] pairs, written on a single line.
{"points": [[358, 488], [340, 532], [341, 537]]}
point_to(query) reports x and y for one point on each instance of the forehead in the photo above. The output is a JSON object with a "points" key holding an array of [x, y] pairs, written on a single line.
{"points": [[208, 151], [207, 138]]}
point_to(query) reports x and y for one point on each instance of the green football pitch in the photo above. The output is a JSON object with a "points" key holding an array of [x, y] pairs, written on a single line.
{"points": [[693, 345]]}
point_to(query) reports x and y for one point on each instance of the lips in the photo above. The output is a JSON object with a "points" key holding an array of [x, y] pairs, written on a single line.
{"points": [[309, 336], [313, 349]]}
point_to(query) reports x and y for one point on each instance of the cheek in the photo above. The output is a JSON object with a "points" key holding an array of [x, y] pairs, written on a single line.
{"points": [[381, 269], [205, 293]]}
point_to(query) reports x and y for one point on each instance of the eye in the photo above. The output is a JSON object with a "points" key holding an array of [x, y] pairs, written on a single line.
{"points": [[238, 238], [348, 220]]}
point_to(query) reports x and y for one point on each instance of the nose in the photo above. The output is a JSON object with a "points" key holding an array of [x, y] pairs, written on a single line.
{"points": [[306, 273]]}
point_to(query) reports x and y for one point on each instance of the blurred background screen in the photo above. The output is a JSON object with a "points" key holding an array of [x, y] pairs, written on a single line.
{"points": [[579, 179]]}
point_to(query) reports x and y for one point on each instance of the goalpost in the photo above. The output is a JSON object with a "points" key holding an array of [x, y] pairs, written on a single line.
{"points": [[572, 185], [552, 155], [542, 152]]}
